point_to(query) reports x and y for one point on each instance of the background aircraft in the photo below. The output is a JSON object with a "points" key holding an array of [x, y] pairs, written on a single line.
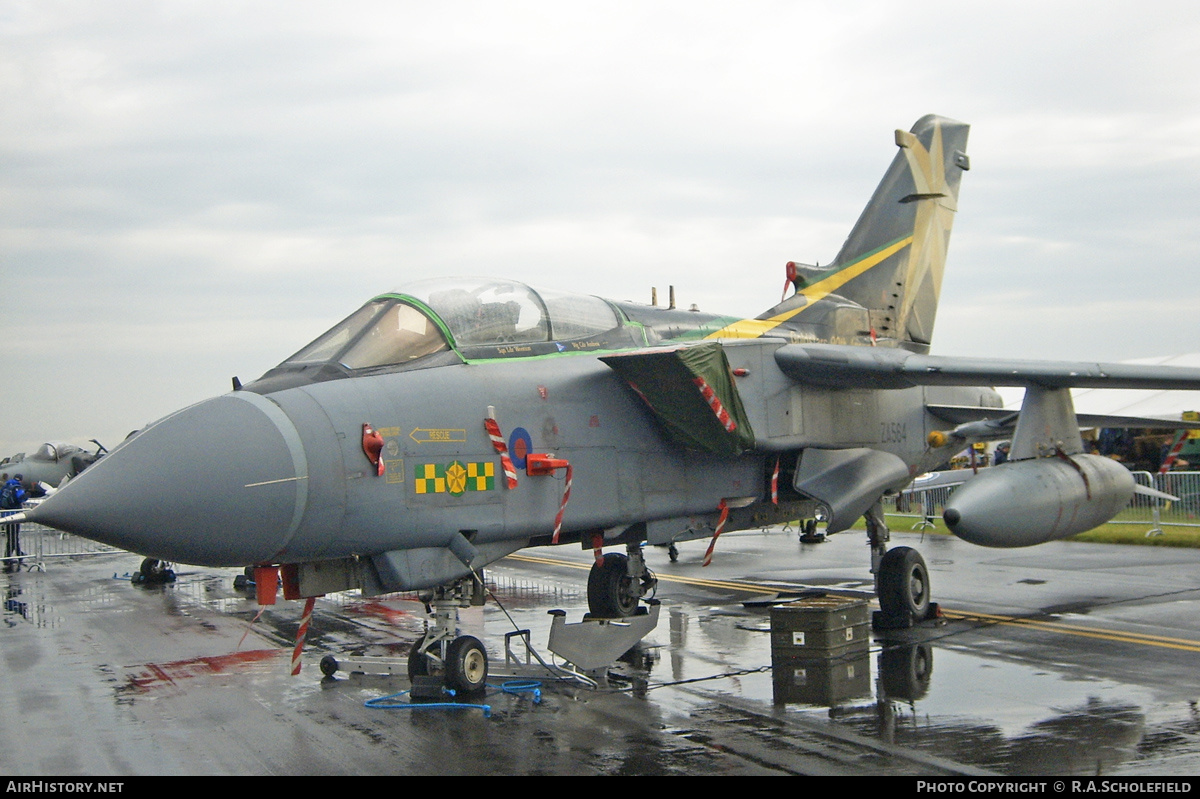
{"points": [[52, 463], [443, 426]]}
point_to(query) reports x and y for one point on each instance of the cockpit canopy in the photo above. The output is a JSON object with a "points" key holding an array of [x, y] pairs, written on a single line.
{"points": [[463, 318], [384, 332], [54, 451]]}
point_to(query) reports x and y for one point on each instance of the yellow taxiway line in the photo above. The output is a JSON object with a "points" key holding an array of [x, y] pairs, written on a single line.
{"points": [[664, 578], [1072, 629]]}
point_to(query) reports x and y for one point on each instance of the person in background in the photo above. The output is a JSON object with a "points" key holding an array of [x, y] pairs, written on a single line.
{"points": [[12, 497]]}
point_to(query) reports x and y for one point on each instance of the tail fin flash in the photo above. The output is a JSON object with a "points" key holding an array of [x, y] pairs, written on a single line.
{"points": [[911, 212], [883, 286], [890, 268]]}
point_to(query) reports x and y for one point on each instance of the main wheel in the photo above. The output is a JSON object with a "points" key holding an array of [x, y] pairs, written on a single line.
{"points": [[903, 584], [329, 665], [466, 665], [612, 593], [153, 569], [906, 671]]}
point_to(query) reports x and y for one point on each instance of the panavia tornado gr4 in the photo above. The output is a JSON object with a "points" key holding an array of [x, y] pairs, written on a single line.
{"points": [[447, 424]]}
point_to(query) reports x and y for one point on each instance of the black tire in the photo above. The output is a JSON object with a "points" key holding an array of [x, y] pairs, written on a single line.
{"points": [[155, 571], [418, 664], [904, 584], [329, 665], [906, 671], [466, 665], [612, 594]]}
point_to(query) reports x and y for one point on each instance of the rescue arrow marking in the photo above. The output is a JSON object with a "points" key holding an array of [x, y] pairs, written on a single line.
{"points": [[434, 435]]}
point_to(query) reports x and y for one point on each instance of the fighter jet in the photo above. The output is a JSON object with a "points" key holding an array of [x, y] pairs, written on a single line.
{"points": [[447, 424], [51, 464]]}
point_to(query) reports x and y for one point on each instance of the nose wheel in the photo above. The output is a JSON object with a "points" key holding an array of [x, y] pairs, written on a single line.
{"points": [[460, 660], [466, 664]]}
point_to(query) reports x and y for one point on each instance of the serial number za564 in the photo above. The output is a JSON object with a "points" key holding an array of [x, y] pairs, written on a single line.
{"points": [[893, 432]]}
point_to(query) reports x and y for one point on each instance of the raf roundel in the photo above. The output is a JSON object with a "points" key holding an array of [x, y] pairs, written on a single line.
{"points": [[520, 444]]}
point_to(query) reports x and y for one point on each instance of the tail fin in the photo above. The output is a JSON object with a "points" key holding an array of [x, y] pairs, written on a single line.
{"points": [[892, 262]]}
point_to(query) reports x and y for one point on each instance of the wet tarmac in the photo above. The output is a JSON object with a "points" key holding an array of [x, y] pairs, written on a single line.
{"points": [[1064, 659]]}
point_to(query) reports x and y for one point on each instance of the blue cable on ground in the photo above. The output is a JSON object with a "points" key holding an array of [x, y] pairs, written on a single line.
{"points": [[382, 703], [512, 687], [523, 687]]}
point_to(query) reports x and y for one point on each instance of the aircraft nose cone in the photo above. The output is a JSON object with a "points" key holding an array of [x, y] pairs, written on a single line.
{"points": [[221, 483]]}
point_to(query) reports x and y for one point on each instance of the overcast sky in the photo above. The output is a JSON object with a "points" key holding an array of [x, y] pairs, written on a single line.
{"points": [[193, 190]]}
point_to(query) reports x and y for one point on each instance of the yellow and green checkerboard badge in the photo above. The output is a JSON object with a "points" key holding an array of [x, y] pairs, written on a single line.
{"points": [[455, 478], [430, 479], [481, 476]]}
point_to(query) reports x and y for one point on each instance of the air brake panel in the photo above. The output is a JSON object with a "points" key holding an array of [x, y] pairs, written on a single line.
{"points": [[691, 391]]}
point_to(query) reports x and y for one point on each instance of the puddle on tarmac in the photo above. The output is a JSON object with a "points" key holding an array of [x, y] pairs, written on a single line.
{"points": [[1002, 715], [948, 701], [1021, 719]]}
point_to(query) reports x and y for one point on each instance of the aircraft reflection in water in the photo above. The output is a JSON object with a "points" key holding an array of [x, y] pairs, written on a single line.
{"points": [[1092, 737], [445, 425]]}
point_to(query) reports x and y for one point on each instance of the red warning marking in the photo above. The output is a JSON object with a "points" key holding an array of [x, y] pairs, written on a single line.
{"points": [[510, 471], [565, 499], [372, 446], [720, 528], [714, 402], [540, 464], [493, 431], [301, 633], [775, 483]]}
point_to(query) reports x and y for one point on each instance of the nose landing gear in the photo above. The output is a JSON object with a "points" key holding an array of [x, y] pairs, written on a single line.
{"points": [[460, 660]]}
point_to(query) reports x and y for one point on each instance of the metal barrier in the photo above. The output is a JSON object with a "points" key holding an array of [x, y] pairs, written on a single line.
{"points": [[926, 504], [40, 544], [1186, 511], [923, 504]]}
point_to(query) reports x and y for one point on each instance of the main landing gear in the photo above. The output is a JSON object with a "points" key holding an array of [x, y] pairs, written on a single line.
{"points": [[153, 572], [460, 660], [617, 582], [901, 578]]}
